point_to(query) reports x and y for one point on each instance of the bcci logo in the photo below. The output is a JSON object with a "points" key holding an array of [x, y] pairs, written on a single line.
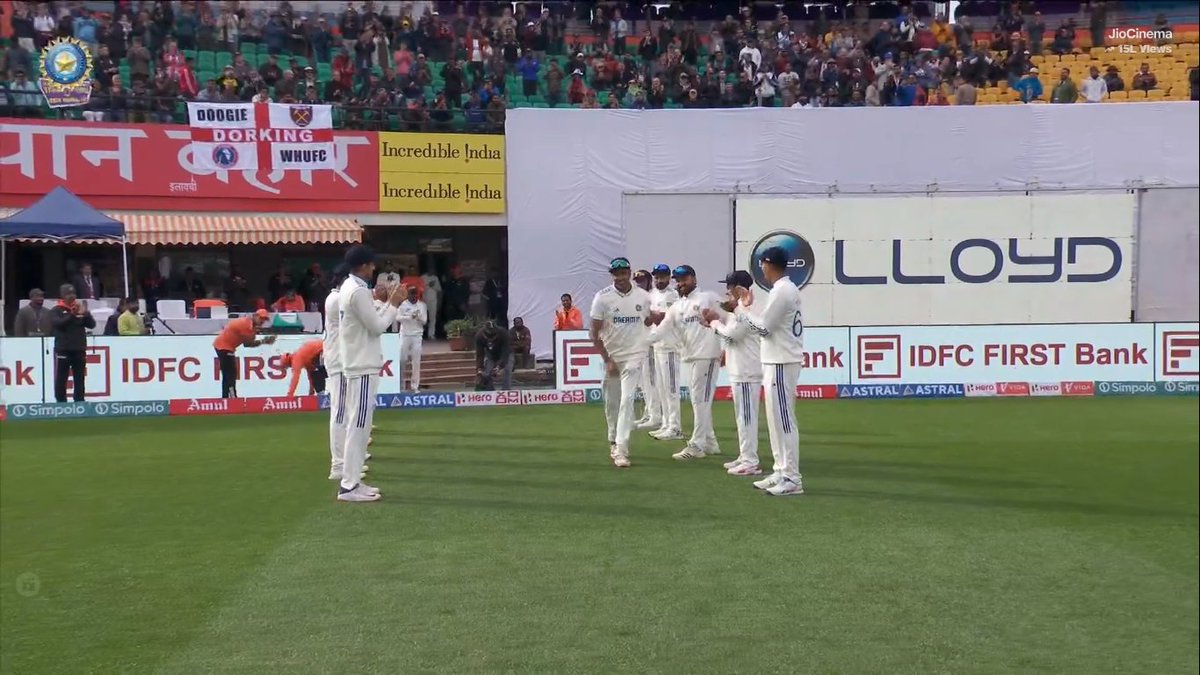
{"points": [[225, 156], [799, 252], [66, 73]]}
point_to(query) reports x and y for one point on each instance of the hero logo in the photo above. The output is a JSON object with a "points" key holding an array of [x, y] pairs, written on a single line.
{"points": [[981, 261], [580, 361], [984, 389], [554, 396], [1046, 389], [878, 357], [1180, 353], [799, 255]]}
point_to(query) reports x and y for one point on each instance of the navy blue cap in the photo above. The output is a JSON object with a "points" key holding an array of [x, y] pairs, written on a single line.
{"points": [[359, 255], [640, 274], [739, 278], [776, 255], [683, 271], [618, 264], [661, 268]]}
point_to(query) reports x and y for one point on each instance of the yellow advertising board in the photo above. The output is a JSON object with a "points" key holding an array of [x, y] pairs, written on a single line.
{"points": [[441, 173], [441, 193]]}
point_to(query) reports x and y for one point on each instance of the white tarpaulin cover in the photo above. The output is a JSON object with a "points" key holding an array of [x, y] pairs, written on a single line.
{"points": [[567, 169]]}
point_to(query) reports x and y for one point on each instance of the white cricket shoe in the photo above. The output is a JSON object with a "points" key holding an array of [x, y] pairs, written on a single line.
{"points": [[649, 424], [337, 475], [620, 461], [358, 494], [768, 482], [786, 487], [688, 452], [714, 451], [366, 456], [745, 469], [369, 488], [667, 434], [640, 421], [736, 461]]}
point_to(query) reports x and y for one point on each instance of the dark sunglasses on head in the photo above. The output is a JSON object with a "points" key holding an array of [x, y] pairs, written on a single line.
{"points": [[619, 264]]}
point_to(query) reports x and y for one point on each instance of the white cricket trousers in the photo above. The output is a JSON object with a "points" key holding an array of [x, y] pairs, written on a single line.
{"points": [[780, 381], [650, 397], [410, 350], [745, 408], [431, 311], [666, 369], [337, 421], [620, 393], [702, 383], [360, 409]]}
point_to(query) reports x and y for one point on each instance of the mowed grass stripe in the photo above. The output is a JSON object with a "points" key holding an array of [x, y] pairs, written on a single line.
{"points": [[939, 537]]}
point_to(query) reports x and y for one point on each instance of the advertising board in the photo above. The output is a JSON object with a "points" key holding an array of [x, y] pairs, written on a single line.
{"points": [[919, 260]]}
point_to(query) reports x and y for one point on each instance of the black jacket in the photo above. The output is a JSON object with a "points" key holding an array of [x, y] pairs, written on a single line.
{"points": [[496, 346], [70, 331]]}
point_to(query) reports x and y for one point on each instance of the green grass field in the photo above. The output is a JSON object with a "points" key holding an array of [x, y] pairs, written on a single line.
{"points": [[963, 536]]}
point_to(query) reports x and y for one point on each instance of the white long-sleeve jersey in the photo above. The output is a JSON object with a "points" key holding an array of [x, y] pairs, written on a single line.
{"points": [[743, 349], [781, 323], [360, 326], [331, 352], [661, 301], [412, 317], [624, 331], [682, 323]]}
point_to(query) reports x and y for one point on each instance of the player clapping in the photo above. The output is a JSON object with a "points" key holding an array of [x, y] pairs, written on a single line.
{"points": [[742, 361]]}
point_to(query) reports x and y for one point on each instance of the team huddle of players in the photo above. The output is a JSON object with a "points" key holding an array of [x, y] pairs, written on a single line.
{"points": [[645, 331]]}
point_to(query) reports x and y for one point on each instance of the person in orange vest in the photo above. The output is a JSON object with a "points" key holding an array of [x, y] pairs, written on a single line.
{"points": [[414, 280], [568, 317], [307, 359], [240, 332]]}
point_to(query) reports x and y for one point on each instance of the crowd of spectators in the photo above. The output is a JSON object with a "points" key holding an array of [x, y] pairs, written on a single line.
{"points": [[419, 69]]}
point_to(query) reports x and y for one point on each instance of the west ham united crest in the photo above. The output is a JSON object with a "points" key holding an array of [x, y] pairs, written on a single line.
{"points": [[302, 115]]}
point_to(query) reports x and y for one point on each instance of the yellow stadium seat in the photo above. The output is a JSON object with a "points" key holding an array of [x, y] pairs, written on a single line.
{"points": [[1156, 94], [1119, 96], [1097, 51], [1137, 94]]}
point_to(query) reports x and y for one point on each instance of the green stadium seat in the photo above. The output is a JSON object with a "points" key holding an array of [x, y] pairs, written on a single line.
{"points": [[541, 104], [222, 59]]}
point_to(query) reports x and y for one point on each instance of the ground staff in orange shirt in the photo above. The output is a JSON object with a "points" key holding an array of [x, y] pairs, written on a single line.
{"points": [[240, 332], [307, 359]]}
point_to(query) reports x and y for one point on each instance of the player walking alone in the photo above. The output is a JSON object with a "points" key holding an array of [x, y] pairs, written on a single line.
{"points": [[666, 360], [621, 318], [360, 327], [780, 324], [413, 315], [743, 362], [700, 349]]}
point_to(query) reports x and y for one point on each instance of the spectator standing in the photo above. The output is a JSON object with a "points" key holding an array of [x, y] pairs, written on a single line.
{"points": [[25, 97], [1037, 32], [528, 68], [567, 316], [964, 92], [1029, 87], [153, 288], [70, 321], [190, 287], [432, 299], [237, 293], [1098, 21], [554, 88], [1065, 91], [130, 322], [33, 320], [1094, 88], [495, 298], [619, 28], [87, 285], [290, 302]]}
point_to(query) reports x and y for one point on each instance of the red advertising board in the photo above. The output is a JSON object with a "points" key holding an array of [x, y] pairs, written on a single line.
{"points": [[150, 167]]}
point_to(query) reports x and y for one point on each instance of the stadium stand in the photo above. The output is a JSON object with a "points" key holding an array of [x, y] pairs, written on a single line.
{"points": [[457, 66]]}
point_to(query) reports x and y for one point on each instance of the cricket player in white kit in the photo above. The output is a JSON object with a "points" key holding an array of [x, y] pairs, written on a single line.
{"points": [[651, 407], [666, 359], [621, 318], [700, 350], [744, 365], [331, 352], [780, 324], [413, 316], [359, 327]]}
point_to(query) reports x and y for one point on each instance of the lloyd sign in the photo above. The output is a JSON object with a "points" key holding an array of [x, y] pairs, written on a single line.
{"points": [[917, 260]]}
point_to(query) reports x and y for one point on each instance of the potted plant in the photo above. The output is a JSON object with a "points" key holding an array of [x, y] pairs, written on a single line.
{"points": [[459, 334]]}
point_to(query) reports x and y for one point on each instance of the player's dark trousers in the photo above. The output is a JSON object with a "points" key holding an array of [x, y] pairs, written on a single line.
{"points": [[68, 362], [229, 374]]}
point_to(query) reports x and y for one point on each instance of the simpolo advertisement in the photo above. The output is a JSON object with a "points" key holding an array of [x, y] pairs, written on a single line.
{"points": [[441, 173]]}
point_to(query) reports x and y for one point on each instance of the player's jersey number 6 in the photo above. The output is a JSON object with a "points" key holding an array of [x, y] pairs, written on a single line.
{"points": [[797, 325]]}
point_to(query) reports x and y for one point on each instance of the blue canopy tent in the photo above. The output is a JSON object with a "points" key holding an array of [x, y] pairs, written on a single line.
{"points": [[60, 216]]}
